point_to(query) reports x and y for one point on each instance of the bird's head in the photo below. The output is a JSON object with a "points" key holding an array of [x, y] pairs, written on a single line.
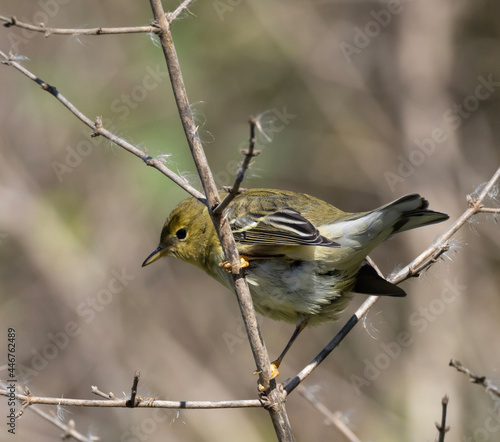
{"points": [[187, 234]]}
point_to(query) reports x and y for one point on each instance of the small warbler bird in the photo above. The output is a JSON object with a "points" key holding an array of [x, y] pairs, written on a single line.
{"points": [[302, 256]]}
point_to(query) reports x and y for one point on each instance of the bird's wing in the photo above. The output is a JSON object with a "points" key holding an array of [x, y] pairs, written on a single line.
{"points": [[283, 227]]}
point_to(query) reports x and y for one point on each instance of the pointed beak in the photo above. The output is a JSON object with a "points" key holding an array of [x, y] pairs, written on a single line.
{"points": [[157, 254]]}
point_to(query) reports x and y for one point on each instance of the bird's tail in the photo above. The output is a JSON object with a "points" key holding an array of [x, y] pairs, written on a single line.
{"points": [[358, 234], [409, 212]]}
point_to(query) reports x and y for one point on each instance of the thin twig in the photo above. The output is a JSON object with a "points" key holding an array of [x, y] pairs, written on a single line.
{"points": [[134, 400], [333, 418], [183, 6], [424, 260], [441, 427], [14, 22], [99, 130], [249, 154], [98, 392], [475, 379], [488, 210]]}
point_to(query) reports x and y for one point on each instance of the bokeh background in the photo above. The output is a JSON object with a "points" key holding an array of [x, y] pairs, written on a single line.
{"points": [[360, 103]]}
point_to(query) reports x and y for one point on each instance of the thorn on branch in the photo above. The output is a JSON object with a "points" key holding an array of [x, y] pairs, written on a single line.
{"points": [[134, 401]]}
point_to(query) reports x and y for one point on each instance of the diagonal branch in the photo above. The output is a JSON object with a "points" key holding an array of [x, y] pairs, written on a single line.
{"points": [[333, 418], [475, 379], [275, 397], [425, 260], [99, 130], [69, 428], [249, 154]]}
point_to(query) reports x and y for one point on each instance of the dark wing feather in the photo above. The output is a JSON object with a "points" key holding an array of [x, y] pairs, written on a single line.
{"points": [[284, 227]]}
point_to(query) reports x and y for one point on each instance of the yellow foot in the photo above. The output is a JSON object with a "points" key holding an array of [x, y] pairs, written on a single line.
{"points": [[274, 374], [229, 268]]}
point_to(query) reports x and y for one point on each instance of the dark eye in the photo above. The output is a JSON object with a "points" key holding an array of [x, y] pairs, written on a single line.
{"points": [[181, 234]]}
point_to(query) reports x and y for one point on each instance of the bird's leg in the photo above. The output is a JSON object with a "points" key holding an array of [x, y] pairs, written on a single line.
{"points": [[229, 268], [301, 325]]}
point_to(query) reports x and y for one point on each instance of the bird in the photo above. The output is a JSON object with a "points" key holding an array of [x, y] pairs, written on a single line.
{"points": [[301, 256]]}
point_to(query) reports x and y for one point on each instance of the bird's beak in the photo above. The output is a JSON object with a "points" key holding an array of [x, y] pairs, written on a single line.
{"points": [[157, 254]]}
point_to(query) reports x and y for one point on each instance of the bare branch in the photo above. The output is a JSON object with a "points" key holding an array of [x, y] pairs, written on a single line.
{"points": [[442, 428], [183, 6], [475, 379], [275, 397], [423, 261], [99, 130], [14, 22], [141, 402], [333, 418], [249, 154], [27, 403]]}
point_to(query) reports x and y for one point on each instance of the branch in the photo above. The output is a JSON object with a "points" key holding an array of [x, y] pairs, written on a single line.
{"points": [[425, 260], [140, 402], [488, 210], [14, 22], [475, 379], [98, 129], [69, 428], [442, 428], [249, 154], [429, 256], [274, 396], [333, 418]]}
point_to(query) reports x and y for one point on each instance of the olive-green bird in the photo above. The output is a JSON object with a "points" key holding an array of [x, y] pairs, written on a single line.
{"points": [[303, 256]]}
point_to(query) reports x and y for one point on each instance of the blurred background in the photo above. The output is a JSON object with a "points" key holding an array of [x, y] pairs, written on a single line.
{"points": [[360, 103]]}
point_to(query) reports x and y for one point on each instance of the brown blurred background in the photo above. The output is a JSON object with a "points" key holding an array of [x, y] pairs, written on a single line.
{"points": [[362, 102]]}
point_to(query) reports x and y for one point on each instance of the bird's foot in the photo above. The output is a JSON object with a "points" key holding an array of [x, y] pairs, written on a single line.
{"points": [[274, 374], [229, 268]]}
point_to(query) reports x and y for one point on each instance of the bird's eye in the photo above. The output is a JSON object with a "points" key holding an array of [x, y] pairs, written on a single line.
{"points": [[181, 234]]}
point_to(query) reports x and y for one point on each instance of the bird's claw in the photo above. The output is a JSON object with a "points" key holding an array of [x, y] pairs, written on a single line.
{"points": [[229, 268], [274, 374]]}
